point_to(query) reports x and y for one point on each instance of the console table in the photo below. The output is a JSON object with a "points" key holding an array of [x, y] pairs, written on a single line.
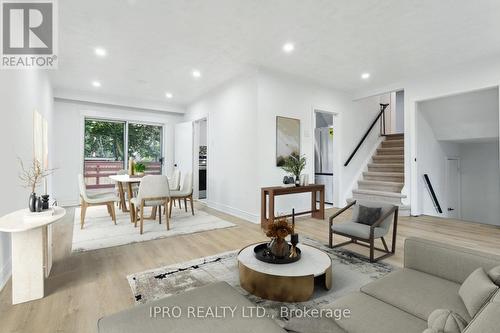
{"points": [[272, 192], [31, 252]]}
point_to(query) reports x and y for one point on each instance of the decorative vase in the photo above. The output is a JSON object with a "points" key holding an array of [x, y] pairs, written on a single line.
{"points": [[39, 205], [279, 247], [45, 201], [32, 202], [297, 181]]}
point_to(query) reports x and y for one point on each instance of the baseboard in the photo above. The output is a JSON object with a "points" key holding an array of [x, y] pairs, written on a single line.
{"points": [[234, 211], [5, 273]]}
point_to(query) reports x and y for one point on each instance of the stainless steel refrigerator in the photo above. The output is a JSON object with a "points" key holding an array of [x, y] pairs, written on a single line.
{"points": [[323, 160]]}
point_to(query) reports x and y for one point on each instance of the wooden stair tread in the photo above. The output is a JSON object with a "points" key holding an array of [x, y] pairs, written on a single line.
{"points": [[379, 193]]}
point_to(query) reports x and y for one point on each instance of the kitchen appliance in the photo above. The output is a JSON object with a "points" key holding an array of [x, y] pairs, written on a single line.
{"points": [[323, 160]]}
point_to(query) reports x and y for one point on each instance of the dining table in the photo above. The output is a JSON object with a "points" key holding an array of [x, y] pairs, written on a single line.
{"points": [[125, 183]]}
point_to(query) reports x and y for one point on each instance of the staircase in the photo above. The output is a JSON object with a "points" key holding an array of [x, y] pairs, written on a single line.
{"points": [[384, 177]]}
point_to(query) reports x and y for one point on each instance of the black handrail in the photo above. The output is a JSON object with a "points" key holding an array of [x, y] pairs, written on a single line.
{"points": [[382, 131], [432, 193]]}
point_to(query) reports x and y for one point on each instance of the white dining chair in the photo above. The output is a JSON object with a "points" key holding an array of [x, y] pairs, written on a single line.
{"points": [[95, 199], [154, 191], [185, 192], [175, 180]]}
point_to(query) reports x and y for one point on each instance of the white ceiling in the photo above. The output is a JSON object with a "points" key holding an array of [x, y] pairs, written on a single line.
{"points": [[153, 45]]}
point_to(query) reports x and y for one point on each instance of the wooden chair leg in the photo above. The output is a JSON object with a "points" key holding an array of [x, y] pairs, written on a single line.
{"points": [[192, 206], [185, 205], [83, 212], [159, 213], [133, 214], [167, 219], [372, 249], [109, 210], [385, 244], [113, 212], [180, 204], [172, 202], [142, 218]]}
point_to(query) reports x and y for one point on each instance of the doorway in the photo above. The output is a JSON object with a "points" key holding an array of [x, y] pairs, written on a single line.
{"points": [[453, 188], [326, 154]]}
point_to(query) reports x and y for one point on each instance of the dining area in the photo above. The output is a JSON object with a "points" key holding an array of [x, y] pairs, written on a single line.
{"points": [[137, 194]]}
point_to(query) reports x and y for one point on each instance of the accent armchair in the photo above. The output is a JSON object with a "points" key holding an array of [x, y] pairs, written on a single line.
{"points": [[365, 233]]}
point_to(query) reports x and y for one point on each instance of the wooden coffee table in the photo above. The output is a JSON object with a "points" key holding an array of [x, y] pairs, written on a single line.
{"points": [[292, 282]]}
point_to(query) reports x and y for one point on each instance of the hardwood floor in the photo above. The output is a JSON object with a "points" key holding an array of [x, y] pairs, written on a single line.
{"points": [[85, 286]]}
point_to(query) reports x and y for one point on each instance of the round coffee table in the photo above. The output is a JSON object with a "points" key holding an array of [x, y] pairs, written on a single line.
{"points": [[292, 282]]}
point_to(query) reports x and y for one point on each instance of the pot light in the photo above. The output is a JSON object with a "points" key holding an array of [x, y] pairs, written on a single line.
{"points": [[96, 84], [288, 47], [169, 95], [365, 76], [100, 52], [196, 73]]}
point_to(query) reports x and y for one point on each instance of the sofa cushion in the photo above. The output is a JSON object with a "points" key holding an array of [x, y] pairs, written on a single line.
{"points": [[446, 321], [476, 290], [139, 319], [368, 314], [417, 293], [486, 321], [494, 275], [358, 230], [368, 215]]}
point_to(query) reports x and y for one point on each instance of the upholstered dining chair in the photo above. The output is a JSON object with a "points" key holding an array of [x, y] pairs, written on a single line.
{"points": [[154, 191], [185, 192], [95, 199], [370, 221], [175, 180]]}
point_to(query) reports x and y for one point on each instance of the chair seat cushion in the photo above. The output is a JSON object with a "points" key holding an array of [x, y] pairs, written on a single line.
{"points": [[369, 314], [358, 230], [95, 198], [180, 194], [418, 293]]}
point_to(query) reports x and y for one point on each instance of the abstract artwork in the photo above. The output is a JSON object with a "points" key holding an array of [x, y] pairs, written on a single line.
{"points": [[287, 139]]}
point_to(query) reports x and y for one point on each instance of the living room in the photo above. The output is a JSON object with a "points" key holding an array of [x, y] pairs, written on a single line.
{"points": [[167, 169]]}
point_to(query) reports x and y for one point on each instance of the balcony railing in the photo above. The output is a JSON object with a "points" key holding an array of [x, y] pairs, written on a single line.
{"points": [[97, 172]]}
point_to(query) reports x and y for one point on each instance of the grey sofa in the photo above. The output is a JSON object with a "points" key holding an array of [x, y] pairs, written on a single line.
{"points": [[400, 302]]}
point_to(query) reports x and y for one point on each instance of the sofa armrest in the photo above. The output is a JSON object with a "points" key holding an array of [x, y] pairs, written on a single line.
{"points": [[449, 262]]}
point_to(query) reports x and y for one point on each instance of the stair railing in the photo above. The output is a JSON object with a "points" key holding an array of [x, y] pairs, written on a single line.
{"points": [[381, 117], [432, 194]]}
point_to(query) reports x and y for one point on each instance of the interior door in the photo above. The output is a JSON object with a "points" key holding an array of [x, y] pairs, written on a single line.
{"points": [[184, 147], [453, 187]]}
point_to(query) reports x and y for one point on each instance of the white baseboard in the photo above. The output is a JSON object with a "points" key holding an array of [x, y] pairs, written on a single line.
{"points": [[5, 273], [234, 211]]}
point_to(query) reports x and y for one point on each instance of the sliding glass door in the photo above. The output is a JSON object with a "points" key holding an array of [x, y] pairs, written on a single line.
{"points": [[108, 145]]}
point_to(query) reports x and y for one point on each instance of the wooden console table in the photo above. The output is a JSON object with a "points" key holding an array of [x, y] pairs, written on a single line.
{"points": [[272, 192]]}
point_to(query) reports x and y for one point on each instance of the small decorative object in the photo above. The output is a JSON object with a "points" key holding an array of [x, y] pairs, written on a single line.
{"points": [[288, 181], [39, 205], [304, 180], [131, 166], [295, 164], [294, 239], [139, 169], [45, 201], [31, 178]]}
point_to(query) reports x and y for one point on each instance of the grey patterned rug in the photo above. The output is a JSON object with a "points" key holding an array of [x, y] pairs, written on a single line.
{"points": [[350, 272]]}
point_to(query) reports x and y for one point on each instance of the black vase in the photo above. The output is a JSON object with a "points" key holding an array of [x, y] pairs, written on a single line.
{"points": [[39, 205], [297, 181], [32, 202]]}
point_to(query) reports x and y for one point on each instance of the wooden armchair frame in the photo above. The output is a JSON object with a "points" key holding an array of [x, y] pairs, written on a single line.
{"points": [[370, 242]]}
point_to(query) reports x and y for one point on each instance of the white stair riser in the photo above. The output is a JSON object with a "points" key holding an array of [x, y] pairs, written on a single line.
{"points": [[378, 198], [383, 168], [388, 159], [379, 187], [397, 179]]}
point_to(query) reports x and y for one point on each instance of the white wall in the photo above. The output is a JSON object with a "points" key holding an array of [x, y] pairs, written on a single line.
{"points": [[242, 137], [21, 92], [69, 131], [480, 182]]}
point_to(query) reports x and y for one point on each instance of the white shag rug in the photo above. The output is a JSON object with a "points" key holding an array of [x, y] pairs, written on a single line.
{"points": [[100, 232]]}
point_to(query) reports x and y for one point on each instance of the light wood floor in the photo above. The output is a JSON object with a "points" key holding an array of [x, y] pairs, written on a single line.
{"points": [[86, 286]]}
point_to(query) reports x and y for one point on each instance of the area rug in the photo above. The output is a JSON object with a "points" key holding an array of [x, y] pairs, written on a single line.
{"points": [[100, 232], [350, 272]]}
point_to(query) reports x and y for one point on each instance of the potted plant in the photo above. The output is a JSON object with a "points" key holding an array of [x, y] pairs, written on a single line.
{"points": [[31, 178], [295, 164], [139, 168]]}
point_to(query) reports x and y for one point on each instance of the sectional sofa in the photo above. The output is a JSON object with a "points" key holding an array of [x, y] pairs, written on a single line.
{"points": [[442, 288]]}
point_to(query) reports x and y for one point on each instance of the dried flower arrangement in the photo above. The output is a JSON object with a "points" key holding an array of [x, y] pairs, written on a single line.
{"points": [[32, 177]]}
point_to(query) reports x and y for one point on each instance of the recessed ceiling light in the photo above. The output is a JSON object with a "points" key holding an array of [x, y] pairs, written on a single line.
{"points": [[365, 76], [288, 47], [196, 73], [169, 95], [96, 84], [100, 52]]}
